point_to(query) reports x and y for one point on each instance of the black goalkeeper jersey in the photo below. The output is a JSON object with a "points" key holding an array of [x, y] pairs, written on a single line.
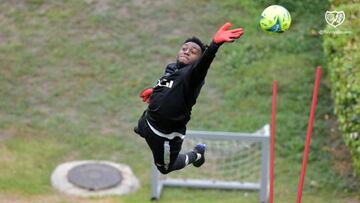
{"points": [[176, 92]]}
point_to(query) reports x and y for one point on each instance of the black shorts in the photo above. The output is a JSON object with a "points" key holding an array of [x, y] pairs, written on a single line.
{"points": [[165, 151]]}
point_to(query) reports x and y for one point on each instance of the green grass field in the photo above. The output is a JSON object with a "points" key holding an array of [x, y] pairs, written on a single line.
{"points": [[71, 72]]}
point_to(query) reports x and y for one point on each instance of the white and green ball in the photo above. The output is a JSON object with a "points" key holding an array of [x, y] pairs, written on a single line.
{"points": [[275, 18]]}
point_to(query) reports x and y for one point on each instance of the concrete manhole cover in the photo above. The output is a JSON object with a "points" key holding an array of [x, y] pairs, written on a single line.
{"points": [[95, 176]]}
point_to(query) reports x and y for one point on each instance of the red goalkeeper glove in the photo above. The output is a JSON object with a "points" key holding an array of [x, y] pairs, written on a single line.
{"points": [[226, 35], [145, 95]]}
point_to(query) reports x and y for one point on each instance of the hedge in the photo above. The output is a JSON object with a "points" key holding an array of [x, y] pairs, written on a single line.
{"points": [[341, 47]]}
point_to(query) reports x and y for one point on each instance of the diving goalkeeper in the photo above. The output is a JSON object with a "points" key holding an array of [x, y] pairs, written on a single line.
{"points": [[163, 123]]}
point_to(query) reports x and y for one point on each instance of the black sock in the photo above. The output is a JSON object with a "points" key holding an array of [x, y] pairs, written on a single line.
{"points": [[192, 156]]}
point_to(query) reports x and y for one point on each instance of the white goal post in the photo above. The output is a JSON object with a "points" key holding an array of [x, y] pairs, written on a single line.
{"points": [[234, 160]]}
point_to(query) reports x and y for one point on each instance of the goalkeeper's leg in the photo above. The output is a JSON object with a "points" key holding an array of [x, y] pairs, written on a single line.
{"points": [[166, 152], [167, 155]]}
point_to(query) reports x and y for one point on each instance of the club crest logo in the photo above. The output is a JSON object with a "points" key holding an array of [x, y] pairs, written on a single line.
{"points": [[335, 18]]}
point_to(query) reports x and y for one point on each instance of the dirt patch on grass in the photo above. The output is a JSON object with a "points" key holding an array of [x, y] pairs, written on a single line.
{"points": [[340, 153], [102, 6], [145, 3], [56, 198], [341, 156], [6, 134], [342, 161], [2, 37], [355, 200]]}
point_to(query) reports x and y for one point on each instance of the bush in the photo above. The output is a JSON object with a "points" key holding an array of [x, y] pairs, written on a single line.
{"points": [[344, 69]]}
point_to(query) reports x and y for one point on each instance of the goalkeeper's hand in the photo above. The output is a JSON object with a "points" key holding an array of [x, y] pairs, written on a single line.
{"points": [[226, 35], [145, 95]]}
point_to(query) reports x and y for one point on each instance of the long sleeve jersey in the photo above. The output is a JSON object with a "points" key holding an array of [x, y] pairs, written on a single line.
{"points": [[176, 92]]}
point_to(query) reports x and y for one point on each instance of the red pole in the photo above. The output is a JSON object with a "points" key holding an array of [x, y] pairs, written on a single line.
{"points": [[308, 134], [272, 141]]}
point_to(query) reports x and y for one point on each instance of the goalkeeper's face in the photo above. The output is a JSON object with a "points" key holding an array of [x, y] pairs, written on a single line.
{"points": [[189, 53]]}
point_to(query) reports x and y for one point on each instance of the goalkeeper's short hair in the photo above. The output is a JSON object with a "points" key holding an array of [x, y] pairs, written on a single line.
{"points": [[196, 41]]}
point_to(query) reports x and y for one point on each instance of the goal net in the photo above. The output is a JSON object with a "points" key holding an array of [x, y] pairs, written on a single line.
{"points": [[233, 161]]}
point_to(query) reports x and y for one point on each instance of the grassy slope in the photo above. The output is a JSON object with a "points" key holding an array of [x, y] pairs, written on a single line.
{"points": [[71, 71]]}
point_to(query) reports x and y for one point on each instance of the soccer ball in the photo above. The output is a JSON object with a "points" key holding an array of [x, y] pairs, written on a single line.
{"points": [[275, 18]]}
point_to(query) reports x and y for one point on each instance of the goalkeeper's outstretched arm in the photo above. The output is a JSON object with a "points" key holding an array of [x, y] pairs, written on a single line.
{"points": [[223, 35]]}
